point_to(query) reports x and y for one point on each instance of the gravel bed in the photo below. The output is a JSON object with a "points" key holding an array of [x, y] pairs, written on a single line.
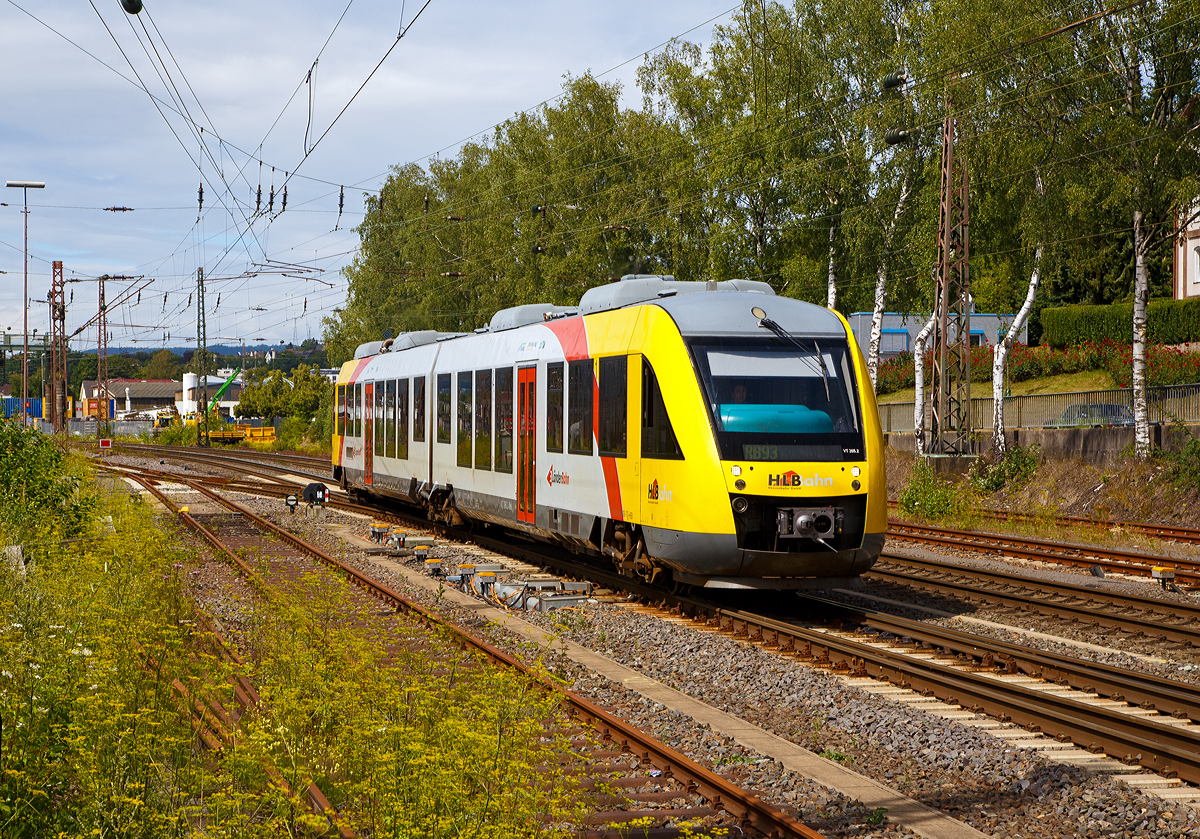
{"points": [[1179, 662]]}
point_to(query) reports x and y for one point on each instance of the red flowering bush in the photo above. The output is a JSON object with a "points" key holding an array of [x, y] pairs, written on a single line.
{"points": [[1165, 365]]}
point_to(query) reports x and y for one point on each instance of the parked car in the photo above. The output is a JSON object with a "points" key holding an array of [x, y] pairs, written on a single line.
{"points": [[1093, 415]]}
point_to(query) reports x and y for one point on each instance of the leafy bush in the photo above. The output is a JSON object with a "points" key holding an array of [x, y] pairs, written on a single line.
{"points": [[928, 496], [38, 491], [1168, 322], [1016, 468], [1183, 466], [99, 638]]}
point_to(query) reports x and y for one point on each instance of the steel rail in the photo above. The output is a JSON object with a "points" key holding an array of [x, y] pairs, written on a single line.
{"points": [[1167, 532], [1178, 699], [1084, 612], [751, 810], [1124, 562]]}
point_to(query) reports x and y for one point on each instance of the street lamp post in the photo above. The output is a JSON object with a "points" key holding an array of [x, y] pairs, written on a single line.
{"points": [[25, 186]]}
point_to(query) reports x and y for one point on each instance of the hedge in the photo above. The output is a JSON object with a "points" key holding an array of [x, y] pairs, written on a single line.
{"points": [[1169, 322]]}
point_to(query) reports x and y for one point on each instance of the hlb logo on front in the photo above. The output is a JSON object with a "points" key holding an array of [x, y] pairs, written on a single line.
{"points": [[792, 479]]}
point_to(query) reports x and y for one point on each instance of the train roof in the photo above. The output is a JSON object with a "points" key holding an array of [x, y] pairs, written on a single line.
{"points": [[698, 308], [730, 313], [714, 308]]}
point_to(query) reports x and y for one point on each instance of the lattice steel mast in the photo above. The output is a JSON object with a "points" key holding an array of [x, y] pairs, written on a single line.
{"points": [[58, 350], [950, 429]]}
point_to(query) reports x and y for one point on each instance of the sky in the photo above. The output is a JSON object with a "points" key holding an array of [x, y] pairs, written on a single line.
{"points": [[265, 80]]}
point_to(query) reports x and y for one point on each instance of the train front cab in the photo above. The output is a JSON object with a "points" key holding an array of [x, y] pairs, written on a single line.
{"points": [[772, 492]]}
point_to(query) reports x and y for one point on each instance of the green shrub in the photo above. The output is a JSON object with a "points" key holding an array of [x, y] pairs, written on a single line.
{"points": [[928, 496], [1168, 322], [39, 489]]}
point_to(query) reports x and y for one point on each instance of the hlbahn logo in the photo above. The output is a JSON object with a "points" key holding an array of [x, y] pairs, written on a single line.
{"points": [[553, 477], [658, 493], [792, 479]]}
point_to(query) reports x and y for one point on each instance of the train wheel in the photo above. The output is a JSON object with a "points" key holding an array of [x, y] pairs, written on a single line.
{"points": [[677, 588]]}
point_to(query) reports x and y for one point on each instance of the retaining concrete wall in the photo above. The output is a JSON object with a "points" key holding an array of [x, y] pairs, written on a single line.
{"points": [[1101, 446]]}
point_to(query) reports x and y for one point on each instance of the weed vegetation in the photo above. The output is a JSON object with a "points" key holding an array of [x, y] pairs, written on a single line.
{"points": [[407, 735], [94, 632], [929, 496]]}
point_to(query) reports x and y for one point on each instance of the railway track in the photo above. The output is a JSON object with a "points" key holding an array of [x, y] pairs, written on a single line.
{"points": [[675, 777], [1079, 556], [1152, 697], [249, 463], [1168, 621], [1167, 532]]}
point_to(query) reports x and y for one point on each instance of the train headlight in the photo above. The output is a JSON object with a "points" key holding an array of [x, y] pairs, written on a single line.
{"points": [[855, 471], [740, 484], [740, 505], [855, 485]]}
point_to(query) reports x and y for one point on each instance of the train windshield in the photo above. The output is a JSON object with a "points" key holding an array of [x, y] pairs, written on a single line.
{"points": [[773, 400]]}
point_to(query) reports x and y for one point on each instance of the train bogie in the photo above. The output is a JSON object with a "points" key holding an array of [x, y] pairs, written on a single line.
{"points": [[710, 433]]}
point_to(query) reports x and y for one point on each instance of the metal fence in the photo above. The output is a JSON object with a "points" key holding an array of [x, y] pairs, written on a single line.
{"points": [[1180, 403]]}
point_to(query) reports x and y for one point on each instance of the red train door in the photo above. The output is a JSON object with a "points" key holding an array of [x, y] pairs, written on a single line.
{"points": [[369, 426], [526, 437]]}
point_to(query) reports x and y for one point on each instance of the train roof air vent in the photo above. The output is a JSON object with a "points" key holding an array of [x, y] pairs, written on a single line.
{"points": [[527, 314], [403, 341], [644, 288]]}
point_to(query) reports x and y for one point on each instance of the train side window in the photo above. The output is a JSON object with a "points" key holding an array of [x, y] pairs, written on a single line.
{"points": [[341, 411], [580, 398], [358, 409], [381, 424], [613, 405], [658, 438], [554, 407], [418, 409], [464, 419], [483, 419], [444, 405], [390, 419], [504, 419], [402, 416]]}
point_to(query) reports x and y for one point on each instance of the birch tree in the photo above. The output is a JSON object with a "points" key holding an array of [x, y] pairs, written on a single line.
{"points": [[1000, 356]]}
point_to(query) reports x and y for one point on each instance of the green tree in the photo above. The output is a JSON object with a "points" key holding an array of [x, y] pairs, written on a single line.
{"points": [[164, 364], [269, 394]]}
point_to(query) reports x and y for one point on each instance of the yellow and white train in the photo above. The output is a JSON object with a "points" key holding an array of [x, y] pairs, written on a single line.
{"points": [[706, 434]]}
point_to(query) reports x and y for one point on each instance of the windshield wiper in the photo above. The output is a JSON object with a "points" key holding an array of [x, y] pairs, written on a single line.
{"points": [[820, 363]]}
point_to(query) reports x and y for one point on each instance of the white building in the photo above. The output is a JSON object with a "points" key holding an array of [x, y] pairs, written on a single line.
{"points": [[1187, 263], [185, 399]]}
